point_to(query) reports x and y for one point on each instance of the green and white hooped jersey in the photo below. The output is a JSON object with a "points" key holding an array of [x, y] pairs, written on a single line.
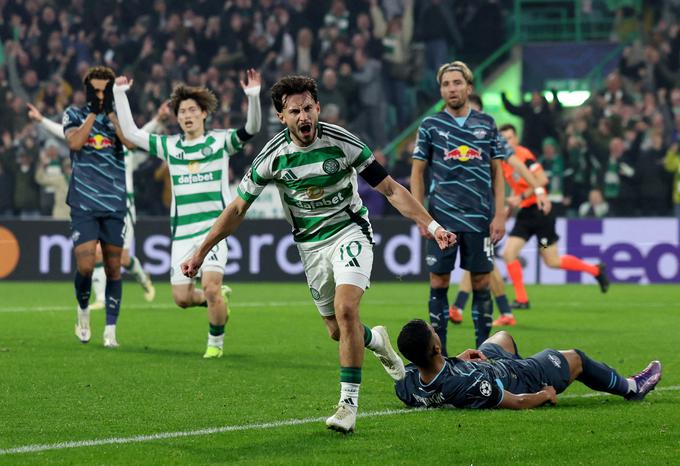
{"points": [[199, 171], [317, 184]]}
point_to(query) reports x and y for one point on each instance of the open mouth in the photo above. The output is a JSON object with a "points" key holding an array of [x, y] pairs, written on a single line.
{"points": [[188, 124], [306, 130]]}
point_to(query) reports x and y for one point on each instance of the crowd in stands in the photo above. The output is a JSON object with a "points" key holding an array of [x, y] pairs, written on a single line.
{"points": [[375, 62], [619, 153]]}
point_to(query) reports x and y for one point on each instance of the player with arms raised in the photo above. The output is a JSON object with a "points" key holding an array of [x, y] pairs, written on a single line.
{"points": [[199, 167], [314, 166]]}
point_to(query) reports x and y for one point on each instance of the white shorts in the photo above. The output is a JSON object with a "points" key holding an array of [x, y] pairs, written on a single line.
{"points": [[129, 238], [346, 261], [184, 249]]}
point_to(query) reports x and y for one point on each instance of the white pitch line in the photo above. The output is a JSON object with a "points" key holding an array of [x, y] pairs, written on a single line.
{"points": [[234, 428], [190, 433]]}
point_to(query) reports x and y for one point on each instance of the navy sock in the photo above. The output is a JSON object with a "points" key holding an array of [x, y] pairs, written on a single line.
{"points": [[461, 300], [216, 330], [114, 292], [439, 313], [503, 305], [83, 287], [601, 377], [482, 314]]}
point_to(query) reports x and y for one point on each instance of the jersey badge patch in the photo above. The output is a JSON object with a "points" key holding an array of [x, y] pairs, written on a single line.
{"points": [[485, 388], [331, 166]]}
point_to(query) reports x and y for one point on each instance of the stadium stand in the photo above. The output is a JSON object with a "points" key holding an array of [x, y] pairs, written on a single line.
{"points": [[374, 61]]}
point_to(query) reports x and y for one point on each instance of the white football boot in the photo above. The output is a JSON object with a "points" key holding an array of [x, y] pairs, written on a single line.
{"points": [[389, 358], [83, 324], [344, 420], [110, 337]]}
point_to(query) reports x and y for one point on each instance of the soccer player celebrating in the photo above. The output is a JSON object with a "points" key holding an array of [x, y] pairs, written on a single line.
{"points": [[198, 162], [532, 221], [495, 376], [462, 148], [97, 197], [314, 166], [128, 261]]}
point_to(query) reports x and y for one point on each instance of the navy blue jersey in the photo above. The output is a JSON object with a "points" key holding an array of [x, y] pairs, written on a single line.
{"points": [[98, 178], [472, 384], [459, 157]]}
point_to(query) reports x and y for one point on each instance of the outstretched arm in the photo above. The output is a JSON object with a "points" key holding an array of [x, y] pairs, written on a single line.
{"points": [[127, 124], [529, 400], [52, 127], [409, 207], [228, 221]]}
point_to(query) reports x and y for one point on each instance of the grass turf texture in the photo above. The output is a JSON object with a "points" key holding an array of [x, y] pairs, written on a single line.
{"points": [[279, 365]]}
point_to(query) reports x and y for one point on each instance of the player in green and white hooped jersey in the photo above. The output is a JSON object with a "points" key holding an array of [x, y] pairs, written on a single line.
{"points": [[314, 166], [129, 262], [198, 163]]}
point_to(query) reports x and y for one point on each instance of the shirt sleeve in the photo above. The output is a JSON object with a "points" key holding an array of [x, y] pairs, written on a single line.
{"points": [[254, 181], [474, 390], [423, 148], [505, 147], [232, 143], [158, 145], [499, 146], [70, 119]]}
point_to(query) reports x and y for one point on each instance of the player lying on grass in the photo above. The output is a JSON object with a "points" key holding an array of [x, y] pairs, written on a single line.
{"points": [[495, 376]]}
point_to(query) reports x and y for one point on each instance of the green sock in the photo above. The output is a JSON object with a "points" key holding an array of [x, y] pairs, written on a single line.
{"points": [[216, 330], [350, 374], [368, 336]]}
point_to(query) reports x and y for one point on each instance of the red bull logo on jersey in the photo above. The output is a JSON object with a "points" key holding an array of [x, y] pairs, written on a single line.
{"points": [[463, 154], [99, 141]]}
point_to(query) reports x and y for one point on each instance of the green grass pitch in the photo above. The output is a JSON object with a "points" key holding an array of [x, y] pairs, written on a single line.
{"points": [[267, 398]]}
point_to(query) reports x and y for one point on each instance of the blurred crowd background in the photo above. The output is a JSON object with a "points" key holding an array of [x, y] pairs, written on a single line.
{"points": [[616, 155]]}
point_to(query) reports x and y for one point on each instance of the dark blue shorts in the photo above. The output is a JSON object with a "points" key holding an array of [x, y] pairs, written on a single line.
{"points": [[555, 368], [476, 254], [494, 351], [107, 227]]}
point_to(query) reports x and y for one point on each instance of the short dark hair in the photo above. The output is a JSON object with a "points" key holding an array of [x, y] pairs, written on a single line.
{"points": [[415, 342], [508, 127], [476, 99], [204, 97], [291, 85], [99, 72]]}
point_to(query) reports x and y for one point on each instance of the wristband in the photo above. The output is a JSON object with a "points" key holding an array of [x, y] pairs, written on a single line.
{"points": [[432, 227], [539, 191]]}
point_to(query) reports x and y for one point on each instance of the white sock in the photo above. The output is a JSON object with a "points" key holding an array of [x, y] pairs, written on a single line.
{"points": [[632, 386], [349, 395], [99, 283], [376, 342], [216, 340], [110, 330]]}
